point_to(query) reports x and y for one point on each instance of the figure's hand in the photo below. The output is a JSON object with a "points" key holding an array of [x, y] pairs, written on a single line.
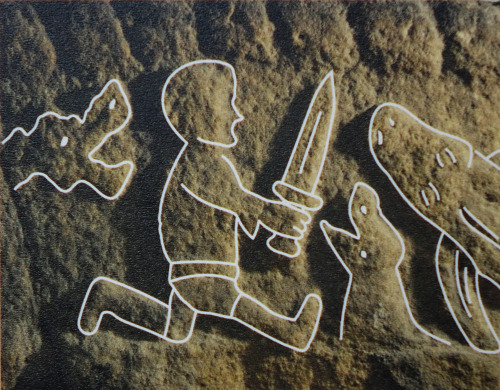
{"points": [[285, 219]]}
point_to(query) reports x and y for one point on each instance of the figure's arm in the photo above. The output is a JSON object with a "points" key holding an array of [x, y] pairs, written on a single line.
{"points": [[225, 191]]}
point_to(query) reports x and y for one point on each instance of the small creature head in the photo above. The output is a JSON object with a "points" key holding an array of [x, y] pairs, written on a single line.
{"points": [[375, 243]]}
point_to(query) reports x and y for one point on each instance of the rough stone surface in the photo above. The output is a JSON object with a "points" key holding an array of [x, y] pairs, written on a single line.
{"points": [[440, 60]]}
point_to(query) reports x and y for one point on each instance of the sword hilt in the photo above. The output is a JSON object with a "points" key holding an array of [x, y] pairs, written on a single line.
{"points": [[298, 198]]}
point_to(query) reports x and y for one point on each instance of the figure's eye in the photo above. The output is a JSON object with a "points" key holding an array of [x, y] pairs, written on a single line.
{"points": [[391, 122], [364, 210], [64, 141], [112, 104], [363, 254]]}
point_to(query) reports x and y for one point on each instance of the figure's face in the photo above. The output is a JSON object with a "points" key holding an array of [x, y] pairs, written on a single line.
{"points": [[221, 113], [200, 103]]}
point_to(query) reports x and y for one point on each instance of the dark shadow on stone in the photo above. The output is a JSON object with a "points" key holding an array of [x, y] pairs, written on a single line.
{"points": [[58, 20], [137, 215], [254, 254], [220, 326], [255, 360], [325, 269], [283, 33], [143, 14], [358, 19], [282, 144], [38, 375], [490, 294], [446, 14], [49, 367], [381, 376], [212, 31]]}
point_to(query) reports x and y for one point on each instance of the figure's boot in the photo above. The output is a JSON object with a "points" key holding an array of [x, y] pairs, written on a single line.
{"points": [[131, 306], [296, 333]]}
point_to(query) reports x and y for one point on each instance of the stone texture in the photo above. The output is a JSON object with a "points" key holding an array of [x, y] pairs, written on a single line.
{"points": [[440, 60]]}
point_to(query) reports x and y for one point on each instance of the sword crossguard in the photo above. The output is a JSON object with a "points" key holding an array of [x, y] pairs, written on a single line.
{"points": [[297, 197]]}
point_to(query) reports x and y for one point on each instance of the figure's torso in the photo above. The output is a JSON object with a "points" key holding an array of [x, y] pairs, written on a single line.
{"points": [[191, 229]]}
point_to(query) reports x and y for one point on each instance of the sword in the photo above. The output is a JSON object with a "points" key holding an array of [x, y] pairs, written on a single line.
{"points": [[298, 185]]}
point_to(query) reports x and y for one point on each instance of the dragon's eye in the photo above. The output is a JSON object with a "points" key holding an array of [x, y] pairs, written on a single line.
{"points": [[112, 104], [363, 254], [64, 141]]}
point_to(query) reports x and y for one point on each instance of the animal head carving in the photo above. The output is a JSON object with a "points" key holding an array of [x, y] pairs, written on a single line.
{"points": [[67, 150]]}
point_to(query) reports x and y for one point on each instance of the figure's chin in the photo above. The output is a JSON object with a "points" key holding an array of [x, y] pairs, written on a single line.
{"points": [[226, 143]]}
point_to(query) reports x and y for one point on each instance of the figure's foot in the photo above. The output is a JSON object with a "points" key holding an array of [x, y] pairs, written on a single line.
{"points": [[128, 305], [296, 332], [93, 307]]}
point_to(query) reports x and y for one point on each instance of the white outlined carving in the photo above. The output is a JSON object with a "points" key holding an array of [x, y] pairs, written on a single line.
{"points": [[472, 154], [327, 229], [298, 181], [491, 237], [65, 140], [222, 273], [466, 302], [493, 154], [462, 213]]}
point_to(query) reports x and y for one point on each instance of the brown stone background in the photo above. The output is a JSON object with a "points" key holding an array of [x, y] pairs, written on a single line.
{"points": [[441, 60]]}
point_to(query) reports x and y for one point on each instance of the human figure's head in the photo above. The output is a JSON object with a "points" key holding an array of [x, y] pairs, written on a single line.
{"points": [[198, 102]]}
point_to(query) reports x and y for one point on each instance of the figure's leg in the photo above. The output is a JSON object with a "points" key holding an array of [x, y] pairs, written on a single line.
{"points": [[128, 305], [219, 296], [181, 320], [296, 333]]}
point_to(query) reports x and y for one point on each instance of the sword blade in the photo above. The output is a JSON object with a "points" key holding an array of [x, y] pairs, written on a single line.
{"points": [[306, 162]]}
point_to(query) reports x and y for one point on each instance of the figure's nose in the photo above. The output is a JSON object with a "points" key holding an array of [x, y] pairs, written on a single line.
{"points": [[237, 116]]}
